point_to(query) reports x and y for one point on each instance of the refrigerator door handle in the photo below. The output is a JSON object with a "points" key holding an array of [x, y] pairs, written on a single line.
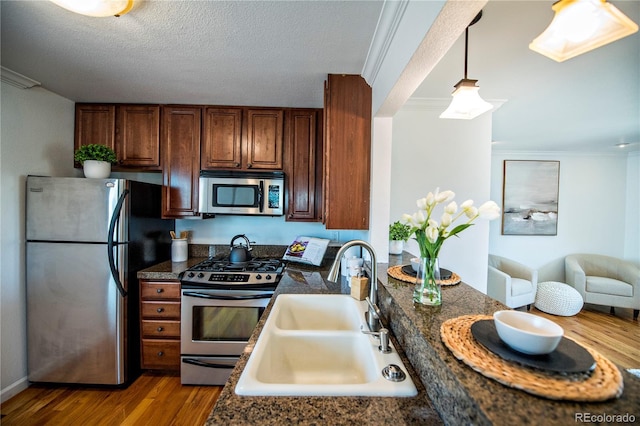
{"points": [[110, 243]]}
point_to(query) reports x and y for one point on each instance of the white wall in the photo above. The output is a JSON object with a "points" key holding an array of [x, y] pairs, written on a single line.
{"points": [[36, 138], [594, 215], [632, 226], [261, 229], [429, 152]]}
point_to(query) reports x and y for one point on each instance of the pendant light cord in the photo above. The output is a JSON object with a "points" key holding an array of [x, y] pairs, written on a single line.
{"points": [[466, 50]]}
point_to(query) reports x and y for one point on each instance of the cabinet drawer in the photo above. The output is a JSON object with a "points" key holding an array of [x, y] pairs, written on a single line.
{"points": [[161, 310], [161, 329], [159, 290], [161, 354]]}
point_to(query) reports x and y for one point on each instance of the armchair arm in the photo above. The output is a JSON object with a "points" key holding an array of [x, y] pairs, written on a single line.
{"points": [[498, 284], [575, 275], [630, 273]]}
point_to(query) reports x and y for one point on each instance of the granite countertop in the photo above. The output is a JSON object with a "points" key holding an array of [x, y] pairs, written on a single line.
{"points": [[454, 393]]}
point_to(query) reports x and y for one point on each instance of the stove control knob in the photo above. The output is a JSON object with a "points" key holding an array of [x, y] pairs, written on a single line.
{"points": [[191, 274], [268, 277], [258, 277], [200, 275]]}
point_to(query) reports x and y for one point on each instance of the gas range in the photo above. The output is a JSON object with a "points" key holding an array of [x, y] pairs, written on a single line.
{"points": [[218, 272]]}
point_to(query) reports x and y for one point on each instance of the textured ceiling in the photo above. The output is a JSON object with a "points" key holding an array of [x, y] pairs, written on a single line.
{"points": [[278, 53], [274, 53]]}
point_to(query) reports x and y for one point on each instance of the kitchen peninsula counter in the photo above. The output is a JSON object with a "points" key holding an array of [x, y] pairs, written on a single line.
{"points": [[459, 394]]}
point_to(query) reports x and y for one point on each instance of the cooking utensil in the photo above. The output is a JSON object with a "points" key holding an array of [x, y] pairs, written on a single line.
{"points": [[240, 253]]}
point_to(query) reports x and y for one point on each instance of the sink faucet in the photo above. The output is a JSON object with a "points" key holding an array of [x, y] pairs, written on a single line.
{"points": [[373, 320]]}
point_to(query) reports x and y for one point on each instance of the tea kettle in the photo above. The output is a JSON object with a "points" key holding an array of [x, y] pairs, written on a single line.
{"points": [[240, 253]]}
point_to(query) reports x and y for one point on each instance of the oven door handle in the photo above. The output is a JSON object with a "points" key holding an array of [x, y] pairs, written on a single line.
{"points": [[221, 297], [206, 364]]}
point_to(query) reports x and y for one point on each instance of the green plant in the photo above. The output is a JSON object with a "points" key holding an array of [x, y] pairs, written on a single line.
{"points": [[95, 152], [399, 231]]}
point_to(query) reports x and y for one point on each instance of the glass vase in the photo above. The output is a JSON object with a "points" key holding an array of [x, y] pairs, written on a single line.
{"points": [[428, 290]]}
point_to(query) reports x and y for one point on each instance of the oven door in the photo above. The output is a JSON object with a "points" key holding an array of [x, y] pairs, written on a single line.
{"points": [[219, 322]]}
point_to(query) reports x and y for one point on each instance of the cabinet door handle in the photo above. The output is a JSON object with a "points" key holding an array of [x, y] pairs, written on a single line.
{"points": [[236, 164], [160, 353], [160, 329], [160, 290], [159, 310], [249, 165]]}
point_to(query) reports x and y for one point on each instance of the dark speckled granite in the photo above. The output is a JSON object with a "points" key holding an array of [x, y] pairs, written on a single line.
{"points": [[459, 394], [454, 394]]}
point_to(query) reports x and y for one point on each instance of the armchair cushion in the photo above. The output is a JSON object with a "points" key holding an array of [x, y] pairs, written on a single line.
{"points": [[520, 286], [608, 286]]}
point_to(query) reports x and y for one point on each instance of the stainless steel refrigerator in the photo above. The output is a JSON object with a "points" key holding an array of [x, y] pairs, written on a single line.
{"points": [[86, 240]]}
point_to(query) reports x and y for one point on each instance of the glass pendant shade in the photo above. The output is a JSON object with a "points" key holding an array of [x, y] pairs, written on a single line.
{"points": [[580, 26], [466, 103], [96, 8]]}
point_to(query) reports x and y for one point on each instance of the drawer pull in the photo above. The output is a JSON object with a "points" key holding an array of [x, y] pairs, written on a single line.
{"points": [[159, 310], [160, 353], [160, 329], [160, 290]]}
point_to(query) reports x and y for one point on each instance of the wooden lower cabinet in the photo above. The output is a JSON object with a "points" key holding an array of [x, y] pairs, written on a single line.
{"points": [[160, 325]]}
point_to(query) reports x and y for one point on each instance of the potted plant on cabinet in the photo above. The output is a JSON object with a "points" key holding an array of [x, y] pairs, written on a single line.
{"points": [[96, 160], [398, 234]]}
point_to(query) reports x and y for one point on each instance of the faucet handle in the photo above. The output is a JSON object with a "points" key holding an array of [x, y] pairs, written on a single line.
{"points": [[374, 309]]}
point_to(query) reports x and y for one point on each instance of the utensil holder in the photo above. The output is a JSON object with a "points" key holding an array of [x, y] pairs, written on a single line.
{"points": [[179, 250]]}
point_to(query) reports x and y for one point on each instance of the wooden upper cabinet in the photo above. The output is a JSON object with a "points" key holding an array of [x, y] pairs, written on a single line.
{"points": [[264, 139], [180, 139], [221, 139], [347, 152], [138, 136], [132, 131], [95, 124], [242, 138], [303, 164]]}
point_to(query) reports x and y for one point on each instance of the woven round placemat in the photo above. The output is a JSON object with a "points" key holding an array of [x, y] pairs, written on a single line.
{"points": [[603, 383], [396, 272]]}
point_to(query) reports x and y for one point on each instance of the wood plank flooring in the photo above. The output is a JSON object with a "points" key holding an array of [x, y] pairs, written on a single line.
{"points": [[159, 399], [153, 399], [617, 337]]}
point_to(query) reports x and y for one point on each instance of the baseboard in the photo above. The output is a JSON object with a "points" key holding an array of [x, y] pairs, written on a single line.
{"points": [[13, 389]]}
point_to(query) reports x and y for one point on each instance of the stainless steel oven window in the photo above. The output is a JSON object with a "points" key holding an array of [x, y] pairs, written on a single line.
{"points": [[224, 323]]}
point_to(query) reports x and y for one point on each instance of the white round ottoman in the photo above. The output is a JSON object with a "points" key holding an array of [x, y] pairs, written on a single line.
{"points": [[558, 299]]}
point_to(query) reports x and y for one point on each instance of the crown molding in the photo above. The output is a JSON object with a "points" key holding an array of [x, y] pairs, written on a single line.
{"points": [[18, 80], [388, 23]]}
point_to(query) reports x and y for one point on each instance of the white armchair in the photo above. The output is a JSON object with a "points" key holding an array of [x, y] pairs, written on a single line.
{"points": [[510, 282], [604, 280]]}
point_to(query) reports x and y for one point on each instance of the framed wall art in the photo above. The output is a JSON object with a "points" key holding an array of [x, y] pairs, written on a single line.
{"points": [[530, 197]]}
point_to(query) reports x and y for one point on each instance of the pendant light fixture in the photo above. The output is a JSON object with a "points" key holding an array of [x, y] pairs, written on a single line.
{"points": [[580, 26], [96, 8], [466, 103]]}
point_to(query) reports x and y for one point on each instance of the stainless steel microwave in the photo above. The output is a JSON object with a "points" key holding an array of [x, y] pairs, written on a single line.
{"points": [[241, 193]]}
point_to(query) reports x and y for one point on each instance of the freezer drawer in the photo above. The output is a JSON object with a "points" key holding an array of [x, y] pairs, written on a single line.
{"points": [[75, 315]]}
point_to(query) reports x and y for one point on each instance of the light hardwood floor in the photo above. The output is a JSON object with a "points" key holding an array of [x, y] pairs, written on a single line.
{"points": [[158, 399], [153, 399], [617, 337]]}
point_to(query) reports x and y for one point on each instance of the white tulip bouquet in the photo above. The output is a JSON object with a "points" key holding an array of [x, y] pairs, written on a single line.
{"points": [[430, 236]]}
